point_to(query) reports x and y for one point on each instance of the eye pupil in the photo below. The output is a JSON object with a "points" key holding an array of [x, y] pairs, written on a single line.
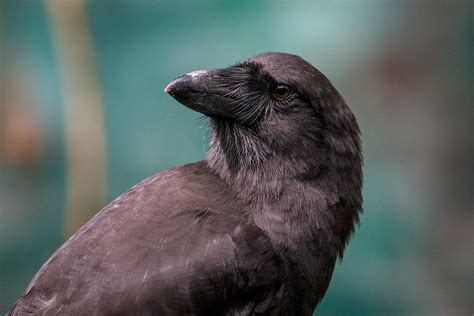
{"points": [[282, 91]]}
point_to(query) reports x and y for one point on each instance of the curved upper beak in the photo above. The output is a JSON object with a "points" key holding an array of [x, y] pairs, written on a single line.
{"points": [[202, 92]]}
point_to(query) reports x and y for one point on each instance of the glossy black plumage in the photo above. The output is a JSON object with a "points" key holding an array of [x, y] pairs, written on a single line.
{"points": [[255, 228]]}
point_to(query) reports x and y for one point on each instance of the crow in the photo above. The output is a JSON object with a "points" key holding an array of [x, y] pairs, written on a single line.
{"points": [[255, 228]]}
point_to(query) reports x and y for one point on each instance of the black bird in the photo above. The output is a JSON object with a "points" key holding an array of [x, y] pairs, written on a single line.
{"points": [[256, 228]]}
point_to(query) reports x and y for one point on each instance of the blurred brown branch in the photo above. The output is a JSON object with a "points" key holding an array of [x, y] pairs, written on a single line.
{"points": [[85, 139]]}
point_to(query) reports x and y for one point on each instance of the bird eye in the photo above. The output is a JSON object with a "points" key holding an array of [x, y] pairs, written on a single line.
{"points": [[282, 92]]}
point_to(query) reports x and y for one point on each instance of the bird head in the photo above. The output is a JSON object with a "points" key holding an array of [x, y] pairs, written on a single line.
{"points": [[251, 93], [273, 115]]}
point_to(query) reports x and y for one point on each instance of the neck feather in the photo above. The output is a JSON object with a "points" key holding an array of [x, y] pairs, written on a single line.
{"points": [[317, 190]]}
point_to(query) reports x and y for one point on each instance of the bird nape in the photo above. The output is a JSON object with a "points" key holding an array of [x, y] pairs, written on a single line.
{"points": [[256, 228]]}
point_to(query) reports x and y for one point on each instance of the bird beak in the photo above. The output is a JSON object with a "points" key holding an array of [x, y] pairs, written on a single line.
{"points": [[201, 92]]}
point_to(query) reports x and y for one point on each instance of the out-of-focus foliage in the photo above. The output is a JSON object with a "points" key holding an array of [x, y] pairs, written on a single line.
{"points": [[405, 67]]}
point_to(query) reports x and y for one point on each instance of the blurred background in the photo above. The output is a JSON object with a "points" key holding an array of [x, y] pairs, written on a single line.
{"points": [[83, 117]]}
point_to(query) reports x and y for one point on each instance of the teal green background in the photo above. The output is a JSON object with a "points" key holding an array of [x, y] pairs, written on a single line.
{"points": [[406, 69]]}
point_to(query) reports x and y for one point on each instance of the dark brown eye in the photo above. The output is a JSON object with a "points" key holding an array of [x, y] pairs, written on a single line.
{"points": [[281, 92]]}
